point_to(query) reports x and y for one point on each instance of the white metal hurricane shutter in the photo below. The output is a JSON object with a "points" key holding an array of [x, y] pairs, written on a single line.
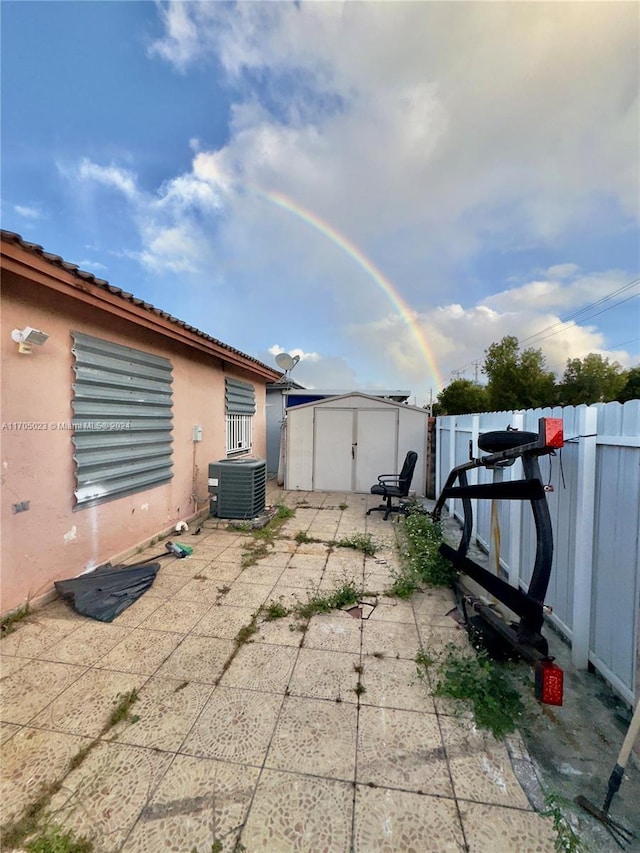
{"points": [[122, 418], [240, 397]]}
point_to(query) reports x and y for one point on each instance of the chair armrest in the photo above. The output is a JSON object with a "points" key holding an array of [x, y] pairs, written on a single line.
{"points": [[385, 479]]}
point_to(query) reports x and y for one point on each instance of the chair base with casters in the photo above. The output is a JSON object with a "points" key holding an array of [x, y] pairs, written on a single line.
{"points": [[391, 486]]}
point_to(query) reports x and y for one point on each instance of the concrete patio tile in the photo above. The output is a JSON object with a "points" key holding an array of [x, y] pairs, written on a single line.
{"points": [[388, 821], [402, 749], [36, 759], [142, 651], [313, 562], [279, 632], [395, 611], [7, 731], [291, 813], [302, 578], [29, 689], [393, 683], [315, 737], [275, 558], [103, 797], [10, 664], [480, 766], [36, 634], [262, 574], [178, 615], [232, 555], [197, 659], [247, 594], [85, 706], [223, 621], [166, 711], [137, 612], [198, 803], [165, 585], [314, 549], [436, 641], [201, 588], [492, 829], [288, 596], [325, 675], [390, 638], [261, 667], [235, 725], [88, 643], [337, 632]]}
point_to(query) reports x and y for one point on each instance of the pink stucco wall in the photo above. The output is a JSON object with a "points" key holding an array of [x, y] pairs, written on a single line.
{"points": [[50, 540]]}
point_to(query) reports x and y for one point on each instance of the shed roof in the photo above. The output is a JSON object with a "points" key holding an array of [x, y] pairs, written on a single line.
{"points": [[30, 259], [358, 394]]}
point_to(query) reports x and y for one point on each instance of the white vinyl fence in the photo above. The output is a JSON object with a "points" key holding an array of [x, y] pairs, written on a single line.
{"points": [[594, 500]]}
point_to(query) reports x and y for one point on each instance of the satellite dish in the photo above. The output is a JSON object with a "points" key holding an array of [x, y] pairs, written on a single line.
{"points": [[285, 361]]}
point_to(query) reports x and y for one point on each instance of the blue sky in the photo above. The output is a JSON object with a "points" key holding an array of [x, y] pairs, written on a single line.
{"points": [[384, 189]]}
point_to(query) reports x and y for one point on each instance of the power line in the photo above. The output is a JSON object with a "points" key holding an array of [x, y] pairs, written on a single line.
{"points": [[572, 316]]}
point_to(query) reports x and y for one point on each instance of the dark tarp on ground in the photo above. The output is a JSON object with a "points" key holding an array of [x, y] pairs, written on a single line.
{"points": [[106, 592]]}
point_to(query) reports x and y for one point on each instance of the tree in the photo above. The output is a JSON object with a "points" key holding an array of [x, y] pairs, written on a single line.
{"points": [[631, 389], [461, 397], [517, 380], [593, 379]]}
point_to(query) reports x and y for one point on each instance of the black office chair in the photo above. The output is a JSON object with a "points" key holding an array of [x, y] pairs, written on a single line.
{"points": [[394, 486]]}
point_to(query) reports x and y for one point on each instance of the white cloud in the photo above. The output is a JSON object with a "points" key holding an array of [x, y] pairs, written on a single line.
{"points": [[27, 212], [109, 176]]}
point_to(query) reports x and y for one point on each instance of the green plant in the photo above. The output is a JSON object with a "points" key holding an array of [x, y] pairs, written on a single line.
{"points": [[404, 584], [274, 610], [122, 711], [8, 623], [284, 512], [566, 838], [55, 839], [359, 542], [303, 539], [343, 505], [482, 685], [422, 562], [359, 689], [345, 594]]}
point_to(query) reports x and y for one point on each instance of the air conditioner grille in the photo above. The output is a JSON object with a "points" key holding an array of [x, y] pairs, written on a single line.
{"points": [[237, 487]]}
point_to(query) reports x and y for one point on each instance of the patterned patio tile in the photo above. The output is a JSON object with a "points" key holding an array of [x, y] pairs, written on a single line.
{"points": [[261, 667], [235, 725], [166, 710], [178, 615], [247, 594], [223, 621], [200, 802], [279, 632], [495, 829], [387, 821], [393, 683], [85, 706], [393, 610], [335, 631], [402, 749], [480, 766], [141, 651], [393, 639], [7, 731], [32, 760], [87, 644], [298, 814], [325, 675], [262, 574], [36, 634], [316, 737], [104, 796], [29, 689], [197, 659]]}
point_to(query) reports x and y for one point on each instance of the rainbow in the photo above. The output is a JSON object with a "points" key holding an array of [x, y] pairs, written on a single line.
{"points": [[408, 315]]}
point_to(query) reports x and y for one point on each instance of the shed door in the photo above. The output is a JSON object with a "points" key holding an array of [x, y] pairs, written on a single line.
{"points": [[377, 446], [333, 450]]}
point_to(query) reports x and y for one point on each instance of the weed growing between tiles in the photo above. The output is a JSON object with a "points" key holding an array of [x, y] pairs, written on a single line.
{"points": [[422, 562], [480, 684], [258, 546], [35, 829], [8, 623], [566, 839]]}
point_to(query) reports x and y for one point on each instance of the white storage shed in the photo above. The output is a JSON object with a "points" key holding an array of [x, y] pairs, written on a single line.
{"points": [[342, 443]]}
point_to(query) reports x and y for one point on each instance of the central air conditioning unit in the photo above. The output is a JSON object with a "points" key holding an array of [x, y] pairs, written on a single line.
{"points": [[237, 487]]}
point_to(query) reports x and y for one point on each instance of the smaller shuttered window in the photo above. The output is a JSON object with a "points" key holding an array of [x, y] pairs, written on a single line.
{"points": [[240, 405], [122, 420]]}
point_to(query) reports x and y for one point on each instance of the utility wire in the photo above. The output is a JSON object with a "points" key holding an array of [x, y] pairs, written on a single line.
{"points": [[575, 314]]}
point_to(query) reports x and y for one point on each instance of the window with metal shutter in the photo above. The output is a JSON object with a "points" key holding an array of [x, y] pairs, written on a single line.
{"points": [[122, 420], [240, 397]]}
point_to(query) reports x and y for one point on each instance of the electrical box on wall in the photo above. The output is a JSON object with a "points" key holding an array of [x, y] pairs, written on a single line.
{"points": [[197, 433]]}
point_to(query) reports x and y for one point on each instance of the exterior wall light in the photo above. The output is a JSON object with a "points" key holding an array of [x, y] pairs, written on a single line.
{"points": [[28, 337]]}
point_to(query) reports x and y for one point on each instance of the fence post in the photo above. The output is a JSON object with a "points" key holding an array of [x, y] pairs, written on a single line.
{"points": [[584, 526], [515, 512], [473, 474]]}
